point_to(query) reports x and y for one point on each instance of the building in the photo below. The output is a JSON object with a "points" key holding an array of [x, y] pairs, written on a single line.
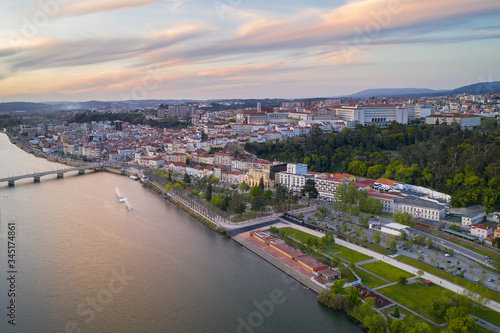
{"points": [[378, 114], [223, 159], [327, 188], [181, 110], [254, 176], [463, 120], [481, 231], [393, 228], [118, 125], [295, 177], [383, 184], [473, 218], [419, 208]]}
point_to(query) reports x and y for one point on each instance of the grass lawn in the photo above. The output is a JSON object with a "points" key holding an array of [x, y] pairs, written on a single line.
{"points": [[369, 280], [386, 271], [345, 253], [410, 319], [447, 276], [486, 314], [417, 297]]}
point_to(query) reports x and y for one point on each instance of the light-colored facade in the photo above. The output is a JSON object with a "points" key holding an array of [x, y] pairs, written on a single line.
{"points": [[419, 208], [327, 188], [380, 114], [463, 120], [481, 230]]}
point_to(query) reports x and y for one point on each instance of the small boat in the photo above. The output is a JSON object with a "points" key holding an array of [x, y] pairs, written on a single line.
{"points": [[122, 200], [134, 177], [118, 193], [145, 178], [128, 204]]}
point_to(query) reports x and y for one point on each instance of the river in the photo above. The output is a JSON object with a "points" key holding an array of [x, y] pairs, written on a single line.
{"points": [[84, 263]]}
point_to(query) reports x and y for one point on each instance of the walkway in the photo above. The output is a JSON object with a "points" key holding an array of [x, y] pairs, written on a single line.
{"points": [[493, 305]]}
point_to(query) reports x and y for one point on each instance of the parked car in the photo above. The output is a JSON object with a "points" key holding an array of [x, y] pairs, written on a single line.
{"points": [[490, 280], [420, 251], [446, 254]]}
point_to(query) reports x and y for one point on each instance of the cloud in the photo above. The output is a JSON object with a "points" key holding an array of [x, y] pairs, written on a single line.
{"points": [[99, 6]]}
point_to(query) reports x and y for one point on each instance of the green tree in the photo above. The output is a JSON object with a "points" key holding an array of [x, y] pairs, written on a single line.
{"points": [[366, 308], [396, 312], [357, 168], [404, 218], [338, 287], [214, 180], [375, 172], [261, 183], [257, 202], [167, 187], [364, 220], [244, 187], [438, 307], [375, 324], [186, 179], [169, 176], [208, 193], [398, 326], [402, 280], [268, 195], [256, 191], [420, 328], [177, 185], [238, 205], [377, 238], [310, 190], [352, 296]]}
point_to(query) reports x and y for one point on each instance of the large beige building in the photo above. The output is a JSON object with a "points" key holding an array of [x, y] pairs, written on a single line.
{"points": [[378, 114]]}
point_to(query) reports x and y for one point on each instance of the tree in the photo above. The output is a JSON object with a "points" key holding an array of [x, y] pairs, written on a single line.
{"points": [[167, 187], [364, 220], [238, 205], [438, 307], [244, 187], [177, 185], [420, 328], [366, 308], [169, 176], [396, 312], [214, 180], [403, 280], [258, 202], [256, 191], [204, 136], [338, 287], [268, 194], [309, 190], [186, 179], [391, 243], [430, 243], [377, 238], [261, 183], [208, 194], [352, 296], [398, 326], [404, 218], [455, 228], [375, 323]]}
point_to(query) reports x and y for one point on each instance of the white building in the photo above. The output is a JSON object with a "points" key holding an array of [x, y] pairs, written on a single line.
{"points": [[463, 120], [393, 228], [378, 114], [295, 177], [419, 208]]}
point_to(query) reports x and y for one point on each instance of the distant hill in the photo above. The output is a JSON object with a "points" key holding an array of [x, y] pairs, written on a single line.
{"points": [[23, 106], [392, 92], [480, 88]]}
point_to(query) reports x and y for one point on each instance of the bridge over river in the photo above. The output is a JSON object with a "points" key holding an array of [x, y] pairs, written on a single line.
{"points": [[60, 174]]}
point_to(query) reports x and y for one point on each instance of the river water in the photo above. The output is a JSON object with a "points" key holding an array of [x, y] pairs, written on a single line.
{"points": [[84, 263]]}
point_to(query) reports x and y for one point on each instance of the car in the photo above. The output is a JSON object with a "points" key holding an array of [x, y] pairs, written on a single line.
{"points": [[441, 268], [420, 251], [452, 265], [409, 250], [490, 280], [475, 281], [442, 242], [459, 268], [446, 254], [448, 261]]}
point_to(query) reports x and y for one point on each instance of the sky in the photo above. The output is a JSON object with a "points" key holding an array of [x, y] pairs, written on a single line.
{"points": [[80, 50]]}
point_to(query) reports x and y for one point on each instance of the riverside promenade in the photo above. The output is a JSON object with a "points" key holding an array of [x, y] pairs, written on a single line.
{"points": [[396, 263]]}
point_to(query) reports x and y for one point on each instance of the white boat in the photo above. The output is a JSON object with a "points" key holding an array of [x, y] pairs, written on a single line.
{"points": [[134, 177], [118, 193], [122, 200], [128, 204]]}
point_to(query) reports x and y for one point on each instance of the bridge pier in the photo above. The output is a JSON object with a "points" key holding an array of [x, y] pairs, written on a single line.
{"points": [[11, 183], [60, 175], [36, 179], [81, 172]]}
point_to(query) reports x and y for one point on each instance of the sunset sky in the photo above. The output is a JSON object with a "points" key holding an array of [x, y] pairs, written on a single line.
{"points": [[74, 50]]}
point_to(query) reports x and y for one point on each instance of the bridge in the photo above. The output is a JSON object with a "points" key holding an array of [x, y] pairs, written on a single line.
{"points": [[60, 174]]}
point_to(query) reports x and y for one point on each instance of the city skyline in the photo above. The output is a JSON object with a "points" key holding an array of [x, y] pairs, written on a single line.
{"points": [[149, 49]]}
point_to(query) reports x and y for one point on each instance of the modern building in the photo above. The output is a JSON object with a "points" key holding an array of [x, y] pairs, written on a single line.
{"points": [[327, 188], [118, 125], [295, 177], [378, 114]]}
